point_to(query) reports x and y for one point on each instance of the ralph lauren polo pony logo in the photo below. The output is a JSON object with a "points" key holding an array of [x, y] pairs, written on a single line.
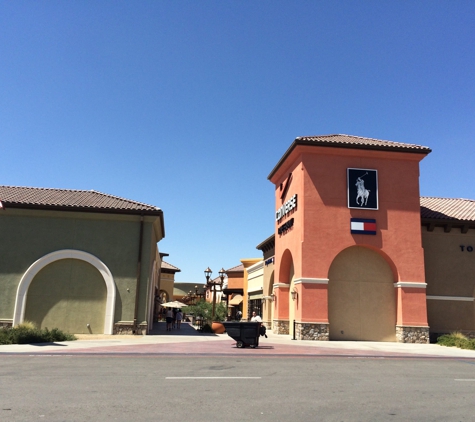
{"points": [[362, 188]]}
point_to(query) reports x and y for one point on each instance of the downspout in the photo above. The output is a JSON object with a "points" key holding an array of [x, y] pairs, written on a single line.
{"points": [[139, 273]]}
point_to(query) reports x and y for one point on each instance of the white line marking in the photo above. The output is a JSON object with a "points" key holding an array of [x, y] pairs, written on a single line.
{"points": [[464, 380], [213, 378]]}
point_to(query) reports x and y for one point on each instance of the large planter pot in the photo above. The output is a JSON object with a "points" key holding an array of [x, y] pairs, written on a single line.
{"points": [[218, 327]]}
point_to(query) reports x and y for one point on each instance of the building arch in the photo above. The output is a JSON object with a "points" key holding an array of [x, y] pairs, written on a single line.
{"points": [[286, 268], [163, 296], [269, 304], [37, 266], [283, 310], [361, 296]]}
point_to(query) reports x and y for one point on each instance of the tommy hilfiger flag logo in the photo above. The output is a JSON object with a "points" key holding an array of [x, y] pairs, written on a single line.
{"points": [[363, 226]]}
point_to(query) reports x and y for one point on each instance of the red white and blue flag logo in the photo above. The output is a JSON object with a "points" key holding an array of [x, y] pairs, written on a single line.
{"points": [[363, 226]]}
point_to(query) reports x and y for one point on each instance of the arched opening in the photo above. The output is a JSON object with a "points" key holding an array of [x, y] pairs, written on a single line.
{"points": [[269, 304], [163, 296], [361, 301], [74, 290], [285, 311]]}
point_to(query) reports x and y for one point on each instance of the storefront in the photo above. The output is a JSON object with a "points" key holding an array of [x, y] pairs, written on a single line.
{"points": [[268, 250], [349, 259]]}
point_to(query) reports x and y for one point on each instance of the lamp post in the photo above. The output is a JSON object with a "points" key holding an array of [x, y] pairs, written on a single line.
{"points": [[200, 295], [213, 283]]}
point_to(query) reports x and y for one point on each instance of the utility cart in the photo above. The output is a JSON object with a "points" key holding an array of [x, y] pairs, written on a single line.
{"points": [[245, 333]]}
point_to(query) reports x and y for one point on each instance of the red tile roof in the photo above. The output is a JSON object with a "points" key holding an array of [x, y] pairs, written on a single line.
{"points": [[72, 200], [350, 141], [167, 266], [447, 208], [353, 142], [236, 269]]}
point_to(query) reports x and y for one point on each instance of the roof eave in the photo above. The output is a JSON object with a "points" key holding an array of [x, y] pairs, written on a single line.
{"points": [[263, 244], [14, 205], [299, 141]]}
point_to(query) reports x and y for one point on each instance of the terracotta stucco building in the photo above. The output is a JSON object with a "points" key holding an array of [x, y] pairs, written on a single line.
{"points": [[358, 254]]}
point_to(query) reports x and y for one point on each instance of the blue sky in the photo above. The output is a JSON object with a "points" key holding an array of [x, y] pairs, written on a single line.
{"points": [[188, 105]]}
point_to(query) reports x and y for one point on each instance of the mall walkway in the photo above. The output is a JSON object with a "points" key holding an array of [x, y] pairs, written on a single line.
{"points": [[190, 342]]}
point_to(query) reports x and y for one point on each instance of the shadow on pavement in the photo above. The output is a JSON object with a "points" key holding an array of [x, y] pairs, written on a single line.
{"points": [[47, 344], [186, 329]]}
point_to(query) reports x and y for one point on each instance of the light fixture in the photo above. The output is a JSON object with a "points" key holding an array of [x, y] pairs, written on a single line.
{"points": [[294, 294], [213, 283]]}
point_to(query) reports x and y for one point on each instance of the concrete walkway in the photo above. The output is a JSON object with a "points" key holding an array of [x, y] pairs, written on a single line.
{"points": [[187, 341]]}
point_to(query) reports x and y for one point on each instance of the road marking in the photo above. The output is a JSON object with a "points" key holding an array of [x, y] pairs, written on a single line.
{"points": [[464, 380], [213, 378]]}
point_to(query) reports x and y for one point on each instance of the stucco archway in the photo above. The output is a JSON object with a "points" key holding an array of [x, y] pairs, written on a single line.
{"points": [[361, 299], [283, 315], [37, 266]]}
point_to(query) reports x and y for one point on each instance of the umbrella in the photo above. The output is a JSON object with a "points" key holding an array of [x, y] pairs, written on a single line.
{"points": [[174, 304]]}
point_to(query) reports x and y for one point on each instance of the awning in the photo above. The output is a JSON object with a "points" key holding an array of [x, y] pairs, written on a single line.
{"points": [[256, 295], [236, 300]]}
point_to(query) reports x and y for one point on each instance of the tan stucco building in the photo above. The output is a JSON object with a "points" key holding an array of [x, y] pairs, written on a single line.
{"points": [[82, 261]]}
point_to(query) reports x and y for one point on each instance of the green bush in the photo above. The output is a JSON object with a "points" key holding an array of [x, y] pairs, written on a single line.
{"points": [[204, 310], [456, 340], [28, 334]]}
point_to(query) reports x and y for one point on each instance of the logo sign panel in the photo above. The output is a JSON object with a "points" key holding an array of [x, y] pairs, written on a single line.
{"points": [[362, 226], [362, 188], [290, 205]]}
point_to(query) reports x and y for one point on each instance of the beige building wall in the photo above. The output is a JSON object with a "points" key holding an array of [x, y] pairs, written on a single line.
{"points": [[450, 276], [247, 262], [167, 282], [255, 278]]}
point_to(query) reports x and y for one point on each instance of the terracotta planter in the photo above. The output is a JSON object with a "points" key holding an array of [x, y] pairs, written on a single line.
{"points": [[218, 327]]}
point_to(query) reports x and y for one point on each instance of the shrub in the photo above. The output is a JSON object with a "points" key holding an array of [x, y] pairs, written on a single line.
{"points": [[27, 333], [456, 339], [27, 325], [204, 310]]}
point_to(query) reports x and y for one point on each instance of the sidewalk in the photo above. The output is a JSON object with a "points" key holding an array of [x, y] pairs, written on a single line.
{"points": [[189, 342]]}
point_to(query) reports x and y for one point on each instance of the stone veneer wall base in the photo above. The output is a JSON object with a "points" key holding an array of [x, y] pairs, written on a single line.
{"points": [[128, 328], [6, 323], [280, 326], [312, 331], [406, 334]]}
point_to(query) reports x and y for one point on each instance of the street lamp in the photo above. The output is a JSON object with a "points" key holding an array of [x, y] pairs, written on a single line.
{"points": [[200, 295], [213, 283]]}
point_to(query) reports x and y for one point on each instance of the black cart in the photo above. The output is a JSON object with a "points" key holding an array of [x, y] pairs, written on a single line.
{"points": [[245, 333]]}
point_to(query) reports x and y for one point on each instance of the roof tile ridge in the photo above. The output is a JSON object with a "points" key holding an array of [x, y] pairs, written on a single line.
{"points": [[382, 140], [363, 138], [318, 136], [42, 188], [450, 199]]}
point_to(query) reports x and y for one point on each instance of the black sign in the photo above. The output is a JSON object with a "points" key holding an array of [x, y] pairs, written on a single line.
{"points": [[286, 226], [362, 186]]}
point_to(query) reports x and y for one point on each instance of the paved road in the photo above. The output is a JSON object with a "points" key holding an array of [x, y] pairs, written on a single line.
{"points": [[55, 387], [186, 375]]}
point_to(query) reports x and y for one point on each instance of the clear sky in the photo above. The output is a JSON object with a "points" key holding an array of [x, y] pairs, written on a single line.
{"points": [[188, 105]]}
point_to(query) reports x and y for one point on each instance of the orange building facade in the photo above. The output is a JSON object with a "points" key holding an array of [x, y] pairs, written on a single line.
{"points": [[349, 262]]}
